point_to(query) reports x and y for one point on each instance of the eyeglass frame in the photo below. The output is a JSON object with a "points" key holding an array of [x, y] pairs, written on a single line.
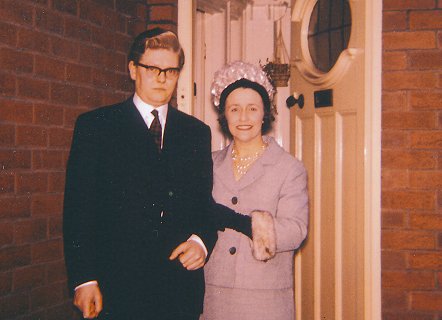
{"points": [[159, 70]]}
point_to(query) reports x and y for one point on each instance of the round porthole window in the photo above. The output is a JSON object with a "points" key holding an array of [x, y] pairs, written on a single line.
{"points": [[328, 32]]}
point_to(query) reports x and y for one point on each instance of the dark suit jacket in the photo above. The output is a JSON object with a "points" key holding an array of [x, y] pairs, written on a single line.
{"points": [[117, 185]]}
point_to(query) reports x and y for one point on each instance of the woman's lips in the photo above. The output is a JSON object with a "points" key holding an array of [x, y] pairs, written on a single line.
{"points": [[244, 127]]}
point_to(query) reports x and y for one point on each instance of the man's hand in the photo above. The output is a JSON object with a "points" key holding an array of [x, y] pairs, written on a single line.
{"points": [[191, 255], [89, 300]]}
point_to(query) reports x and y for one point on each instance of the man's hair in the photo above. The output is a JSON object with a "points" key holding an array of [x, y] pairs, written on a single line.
{"points": [[156, 38]]}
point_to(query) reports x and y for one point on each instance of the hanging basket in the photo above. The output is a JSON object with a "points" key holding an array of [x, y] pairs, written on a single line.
{"points": [[278, 72]]}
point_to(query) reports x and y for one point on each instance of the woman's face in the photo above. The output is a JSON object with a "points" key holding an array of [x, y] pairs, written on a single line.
{"points": [[244, 114]]}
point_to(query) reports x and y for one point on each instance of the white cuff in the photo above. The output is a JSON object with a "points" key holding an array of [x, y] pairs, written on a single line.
{"points": [[198, 240], [87, 284]]}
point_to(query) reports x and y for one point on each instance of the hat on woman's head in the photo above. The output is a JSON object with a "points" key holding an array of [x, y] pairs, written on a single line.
{"points": [[235, 71]]}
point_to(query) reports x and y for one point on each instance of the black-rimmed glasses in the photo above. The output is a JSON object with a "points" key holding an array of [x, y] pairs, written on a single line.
{"points": [[155, 71]]}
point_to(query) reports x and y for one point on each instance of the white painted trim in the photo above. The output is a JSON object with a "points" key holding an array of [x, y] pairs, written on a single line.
{"points": [[373, 88], [186, 14]]}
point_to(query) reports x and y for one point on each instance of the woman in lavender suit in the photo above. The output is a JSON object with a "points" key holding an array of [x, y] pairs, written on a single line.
{"points": [[253, 279]]}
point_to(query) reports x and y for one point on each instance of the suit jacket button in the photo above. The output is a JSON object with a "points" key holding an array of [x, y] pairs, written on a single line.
{"points": [[234, 200], [170, 193], [232, 250]]}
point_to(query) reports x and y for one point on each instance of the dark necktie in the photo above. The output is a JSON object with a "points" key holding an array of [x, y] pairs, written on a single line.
{"points": [[155, 129]]}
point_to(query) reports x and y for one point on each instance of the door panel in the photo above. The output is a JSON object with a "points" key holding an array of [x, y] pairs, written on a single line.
{"points": [[334, 268]]}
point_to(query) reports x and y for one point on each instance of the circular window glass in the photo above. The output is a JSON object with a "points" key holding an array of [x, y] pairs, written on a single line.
{"points": [[328, 32]]}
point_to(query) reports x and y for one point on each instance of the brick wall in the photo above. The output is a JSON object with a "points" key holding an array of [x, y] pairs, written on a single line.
{"points": [[58, 58], [412, 160]]}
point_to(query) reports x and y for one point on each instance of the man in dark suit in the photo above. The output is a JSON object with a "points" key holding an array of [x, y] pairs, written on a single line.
{"points": [[138, 185]]}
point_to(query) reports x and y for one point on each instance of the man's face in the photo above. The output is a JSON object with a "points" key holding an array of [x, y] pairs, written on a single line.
{"points": [[152, 88]]}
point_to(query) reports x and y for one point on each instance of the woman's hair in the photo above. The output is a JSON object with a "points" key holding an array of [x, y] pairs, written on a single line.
{"points": [[245, 83], [156, 38]]}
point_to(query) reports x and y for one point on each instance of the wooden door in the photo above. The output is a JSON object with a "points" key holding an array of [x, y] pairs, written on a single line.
{"points": [[335, 65]]}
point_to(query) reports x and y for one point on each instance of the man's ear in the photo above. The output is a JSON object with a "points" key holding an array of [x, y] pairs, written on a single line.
{"points": [[132, 70]]}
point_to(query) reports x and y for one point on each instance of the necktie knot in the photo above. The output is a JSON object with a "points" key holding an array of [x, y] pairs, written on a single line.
{"points": [[156, 130]]}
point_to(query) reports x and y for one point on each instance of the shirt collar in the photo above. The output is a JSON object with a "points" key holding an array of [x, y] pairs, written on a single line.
{"points": [[145, 110]]}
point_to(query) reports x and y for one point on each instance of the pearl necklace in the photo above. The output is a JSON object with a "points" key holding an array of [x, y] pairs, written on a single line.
{"points": [[242, 164]]}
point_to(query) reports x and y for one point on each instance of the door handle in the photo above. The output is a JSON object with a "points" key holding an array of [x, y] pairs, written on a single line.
{"points": [[292, 100]]}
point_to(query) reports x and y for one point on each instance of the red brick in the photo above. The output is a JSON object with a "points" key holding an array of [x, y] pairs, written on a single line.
{"points": [[407, 4], [426, 221], [32, 182], [394, 20], [403, 159], [49, 20], [406, 315], [8, 34], [104, 79], [408, 200], [425, 60], [127, 7], [112, 97], [402, 239], [47, 296], [92, 12], [14, 60], [13, 306], [5, 283], [32, 136], [47, 251], [55, 227], [66, 6], [409, 80], [408, 280], [163, 12], [90, 98], [77, 73], [394, 299], [64, 48], [77, 30], [124, 83], [48, 159], [49, 68], [426, 139], [60, 137], [439, 279], [429, 260], [122, 43], [394, 60], [71, 114], [30, 230], [48, 114], [7, 182], [63, 311], [64, 93], [29, 277], [56, 271], [409, 40], [16, 111], [33, 40], [17, 12], [13, 257], [409, 120], [56, 181], [394, 179], [15, 207], [422, 100], [394, 101], [103, 38], [7, 135], [115, 61], [7, 85], [426, 180], [426, 301], [425, 20], [33, 88], [47, 204], [393, 219], [6, 234], [15, 159]]}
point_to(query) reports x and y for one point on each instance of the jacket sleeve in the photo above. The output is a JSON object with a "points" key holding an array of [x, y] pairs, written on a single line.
{"points": [[291, 219], [79, 214]]}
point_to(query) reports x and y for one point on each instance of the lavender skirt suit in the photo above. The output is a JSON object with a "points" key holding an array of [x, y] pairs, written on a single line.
{"points": [[237, 285]]}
